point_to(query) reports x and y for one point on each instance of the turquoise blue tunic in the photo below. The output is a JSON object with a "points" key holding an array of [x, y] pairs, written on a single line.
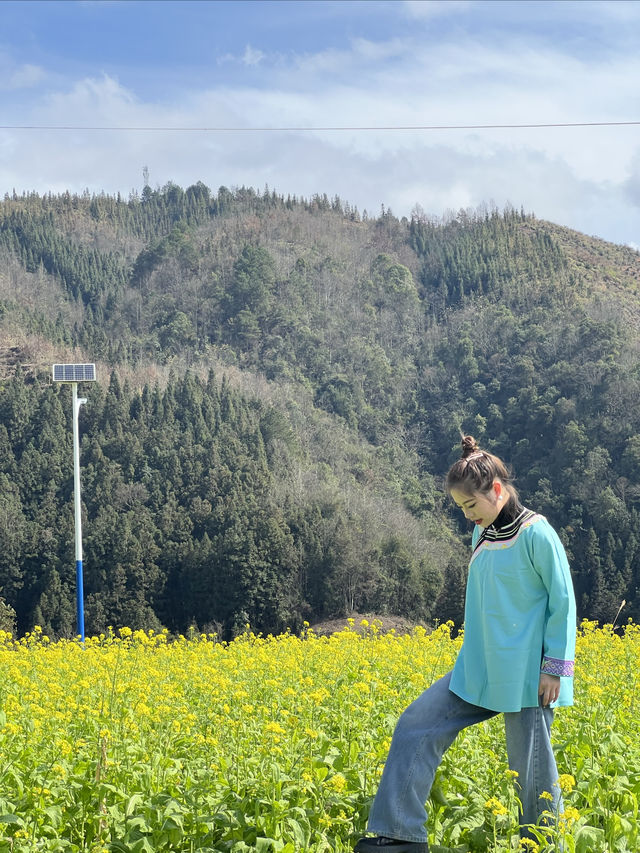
{"points": [[520, 616]]}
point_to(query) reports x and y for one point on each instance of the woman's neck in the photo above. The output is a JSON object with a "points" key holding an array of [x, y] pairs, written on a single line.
{"points": [[509, 512]]}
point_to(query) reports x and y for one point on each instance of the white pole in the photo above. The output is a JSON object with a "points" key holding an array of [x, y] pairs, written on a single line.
{"points": [[77, 402]]}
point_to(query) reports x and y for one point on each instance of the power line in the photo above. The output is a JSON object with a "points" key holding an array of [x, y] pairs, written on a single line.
{"points": [[220, 129]]}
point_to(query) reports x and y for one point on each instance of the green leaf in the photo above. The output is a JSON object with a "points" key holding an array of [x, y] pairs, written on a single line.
{"points": [[12, 819], [140, 823], [141, 846], [268, 845], [55, 815], [133, 801], [437, 795], [298, 832], [172, 821], [589, 839]]}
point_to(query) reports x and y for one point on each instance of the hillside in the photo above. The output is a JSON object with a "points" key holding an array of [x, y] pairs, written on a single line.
{"points": [[350, 351]]}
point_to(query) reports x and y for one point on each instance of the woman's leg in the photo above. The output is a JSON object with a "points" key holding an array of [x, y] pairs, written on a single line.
{"points": [[528, 735], [423, 733]]}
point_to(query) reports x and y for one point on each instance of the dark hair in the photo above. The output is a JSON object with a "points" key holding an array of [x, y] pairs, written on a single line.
{"points": [[477, 470]]}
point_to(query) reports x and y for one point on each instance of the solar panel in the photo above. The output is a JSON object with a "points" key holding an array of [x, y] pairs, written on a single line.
{"points": [[74, 373]]}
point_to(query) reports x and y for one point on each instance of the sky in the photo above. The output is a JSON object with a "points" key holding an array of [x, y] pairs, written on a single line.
{"points": [[315, 96]]}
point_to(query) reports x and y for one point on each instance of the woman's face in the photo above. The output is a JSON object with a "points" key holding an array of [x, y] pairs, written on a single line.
{"points": [[480, 507]]}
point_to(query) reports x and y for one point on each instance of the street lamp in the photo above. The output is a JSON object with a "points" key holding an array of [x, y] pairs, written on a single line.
{"points": [[74, 373]]}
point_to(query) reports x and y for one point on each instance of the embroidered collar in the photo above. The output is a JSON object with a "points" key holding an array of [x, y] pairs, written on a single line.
{"points": [[506, 526]]}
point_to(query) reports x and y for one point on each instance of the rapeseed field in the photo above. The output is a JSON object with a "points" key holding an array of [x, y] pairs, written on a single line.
{"points": [[140, 744]]}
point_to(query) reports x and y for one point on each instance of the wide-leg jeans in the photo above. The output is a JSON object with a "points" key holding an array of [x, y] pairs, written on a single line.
{"points": [[422, 735]]}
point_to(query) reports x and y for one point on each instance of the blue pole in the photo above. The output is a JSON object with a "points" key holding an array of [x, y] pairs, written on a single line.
{"points": [[80, 599]]}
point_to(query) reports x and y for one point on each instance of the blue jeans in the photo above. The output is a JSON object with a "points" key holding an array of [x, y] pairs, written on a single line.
{"points": [[427, 729]]}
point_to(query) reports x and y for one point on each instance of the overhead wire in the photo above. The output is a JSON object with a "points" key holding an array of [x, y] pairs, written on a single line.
{"points": [[301, 129]]}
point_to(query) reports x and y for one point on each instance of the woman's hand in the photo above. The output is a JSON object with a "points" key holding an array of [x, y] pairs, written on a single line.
{"points": [[549, 688]]}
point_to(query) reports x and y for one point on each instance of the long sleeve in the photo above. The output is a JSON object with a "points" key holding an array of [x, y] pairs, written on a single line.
{"points": [[559, 637]]}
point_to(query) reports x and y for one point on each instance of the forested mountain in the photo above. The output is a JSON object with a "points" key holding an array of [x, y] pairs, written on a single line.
{"points": [[282, 386]]}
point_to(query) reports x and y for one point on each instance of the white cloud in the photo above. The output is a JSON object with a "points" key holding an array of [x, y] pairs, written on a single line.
{"points": [[251, 56], [97, 101], [21, 77], [586, 178]]}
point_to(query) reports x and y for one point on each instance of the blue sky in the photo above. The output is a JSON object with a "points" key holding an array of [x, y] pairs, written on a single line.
{"points": [[315, 64]]}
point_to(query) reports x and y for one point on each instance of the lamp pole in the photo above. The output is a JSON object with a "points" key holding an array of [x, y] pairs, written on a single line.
{"points": [[72, 374], [77, 402]]}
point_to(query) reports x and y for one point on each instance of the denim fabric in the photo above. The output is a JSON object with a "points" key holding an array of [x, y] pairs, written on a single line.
{"points": [[427, 729], [528, 735]]}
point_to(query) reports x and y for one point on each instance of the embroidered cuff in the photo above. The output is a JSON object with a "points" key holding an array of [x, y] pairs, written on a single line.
{"points": [[556, 666]]}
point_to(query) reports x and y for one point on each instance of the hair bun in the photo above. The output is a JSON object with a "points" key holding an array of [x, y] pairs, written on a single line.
{"points": [[469, 446]]}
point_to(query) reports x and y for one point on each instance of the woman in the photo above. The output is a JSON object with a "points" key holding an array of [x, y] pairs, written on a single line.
{"points": [[516, 659]]}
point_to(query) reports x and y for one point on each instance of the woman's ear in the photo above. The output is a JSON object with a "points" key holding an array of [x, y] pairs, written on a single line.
{"points": [[498, 490]]}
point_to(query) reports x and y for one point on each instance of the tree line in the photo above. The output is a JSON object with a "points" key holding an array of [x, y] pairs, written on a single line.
{"points": [[190, 517], [403, 331]]}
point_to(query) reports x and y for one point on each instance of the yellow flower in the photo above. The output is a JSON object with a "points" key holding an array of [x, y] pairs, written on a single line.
{"points": [[65, 748], [566, 782], [496, 806], [319, 696], [336, 783], [545, 795], [570, 815]]}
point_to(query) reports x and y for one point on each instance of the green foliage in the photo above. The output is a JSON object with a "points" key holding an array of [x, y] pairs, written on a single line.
{"points": [[190, 517], [403, 332]]}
